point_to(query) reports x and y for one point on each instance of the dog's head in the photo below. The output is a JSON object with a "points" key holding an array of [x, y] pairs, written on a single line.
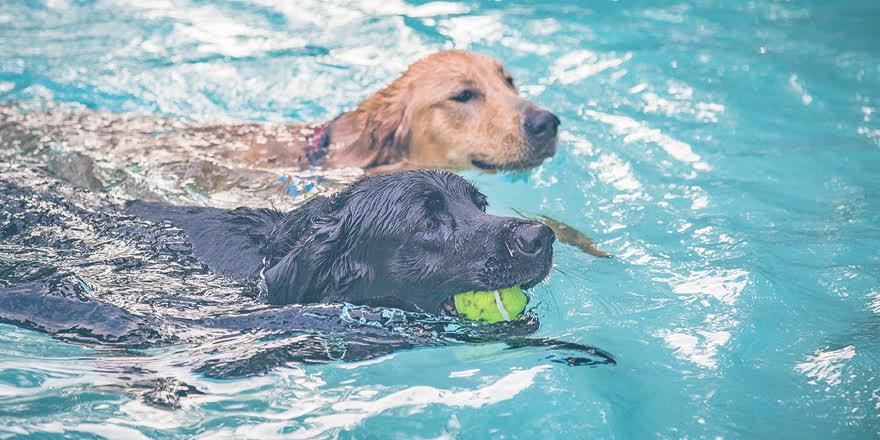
{"points": [[454, 110], [409, 239]]}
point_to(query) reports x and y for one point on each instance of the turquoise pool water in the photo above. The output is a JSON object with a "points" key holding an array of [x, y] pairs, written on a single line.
{"points": [[728, 154]]}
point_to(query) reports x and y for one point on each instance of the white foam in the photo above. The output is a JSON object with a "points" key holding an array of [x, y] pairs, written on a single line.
{"points": [[725, 286], [799, 88], [352, 412], [636, 131], [700, 348], [579, 65], [826, 366]]}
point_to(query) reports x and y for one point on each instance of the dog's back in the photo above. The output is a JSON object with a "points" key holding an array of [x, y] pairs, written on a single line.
{"points": [[229, 242]]}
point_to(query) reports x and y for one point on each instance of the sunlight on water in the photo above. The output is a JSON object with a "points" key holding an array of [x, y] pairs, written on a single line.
{"points": [[726, 153]]}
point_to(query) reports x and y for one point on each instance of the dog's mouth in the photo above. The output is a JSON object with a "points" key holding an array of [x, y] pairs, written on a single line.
{"points": [[507, 166], [536, 156], [495, 302], [512, 287], [447, 308]]}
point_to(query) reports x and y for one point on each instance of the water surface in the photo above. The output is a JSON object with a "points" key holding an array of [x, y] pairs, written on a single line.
{"points": [[727, 153]]}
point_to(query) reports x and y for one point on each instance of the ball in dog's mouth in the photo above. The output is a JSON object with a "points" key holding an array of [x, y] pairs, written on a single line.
{"points": [[488, 306]]}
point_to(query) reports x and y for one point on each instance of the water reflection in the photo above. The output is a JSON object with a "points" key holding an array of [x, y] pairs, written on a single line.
{"points": [[726, 153]]}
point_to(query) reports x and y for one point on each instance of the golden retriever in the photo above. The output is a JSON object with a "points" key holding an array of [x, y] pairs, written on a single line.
{"points": [[451, 110]]}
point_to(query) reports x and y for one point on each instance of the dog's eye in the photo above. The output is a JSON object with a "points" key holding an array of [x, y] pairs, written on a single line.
{"points": [[509, 80], [464, 96], [431, 224], [479, 199]]}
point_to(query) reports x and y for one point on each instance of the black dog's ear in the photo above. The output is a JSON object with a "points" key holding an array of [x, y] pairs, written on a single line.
{"points": [[320, 266], [282, 283]]}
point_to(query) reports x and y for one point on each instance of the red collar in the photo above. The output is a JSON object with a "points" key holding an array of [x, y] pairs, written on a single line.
{"points": [[318, 143]]}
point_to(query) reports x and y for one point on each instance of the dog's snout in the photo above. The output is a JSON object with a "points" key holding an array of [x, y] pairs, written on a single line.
{"points": [[533, 238], [540, 124]]}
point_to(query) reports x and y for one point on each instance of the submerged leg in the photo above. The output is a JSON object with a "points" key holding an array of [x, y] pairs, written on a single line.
{"points": [[308, 348], [76, 319], [515, 335], [596, 356]]}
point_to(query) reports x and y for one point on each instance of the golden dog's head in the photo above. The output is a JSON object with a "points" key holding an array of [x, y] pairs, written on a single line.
{"points": [[456, 110]]}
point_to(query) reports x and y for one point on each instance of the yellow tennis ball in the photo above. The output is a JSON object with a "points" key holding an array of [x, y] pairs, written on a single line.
{"points": [[493, 305]]}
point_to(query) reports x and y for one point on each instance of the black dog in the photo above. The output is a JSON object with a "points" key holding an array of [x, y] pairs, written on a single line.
{"points": [[409, 240], [74, 266]]}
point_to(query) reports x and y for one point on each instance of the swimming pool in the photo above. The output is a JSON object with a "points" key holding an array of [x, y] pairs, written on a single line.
{"points": [[727, 153]]}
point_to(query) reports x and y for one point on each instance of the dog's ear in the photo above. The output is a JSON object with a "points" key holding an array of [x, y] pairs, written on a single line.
{"points": [[321, 266], [285, 283], [384, 121]]}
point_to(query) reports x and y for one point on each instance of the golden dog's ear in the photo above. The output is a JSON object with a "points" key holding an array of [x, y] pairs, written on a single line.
{"points": [[384, 122]]}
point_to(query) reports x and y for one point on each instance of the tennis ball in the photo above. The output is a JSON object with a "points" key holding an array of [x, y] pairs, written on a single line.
{"points": [[491, 306]]}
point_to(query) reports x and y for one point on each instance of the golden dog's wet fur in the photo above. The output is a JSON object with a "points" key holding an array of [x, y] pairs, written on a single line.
{"points": [[414, 122], [411, 123]]}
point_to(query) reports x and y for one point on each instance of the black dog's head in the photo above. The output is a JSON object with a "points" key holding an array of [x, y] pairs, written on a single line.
{"points": [[409, 239]]}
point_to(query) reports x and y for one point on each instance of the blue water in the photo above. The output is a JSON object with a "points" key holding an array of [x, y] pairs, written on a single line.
{"points": [[728, 154]]}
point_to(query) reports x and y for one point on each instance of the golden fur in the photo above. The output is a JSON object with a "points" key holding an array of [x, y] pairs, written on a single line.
{"points": [[415, 123], [420, 120]]}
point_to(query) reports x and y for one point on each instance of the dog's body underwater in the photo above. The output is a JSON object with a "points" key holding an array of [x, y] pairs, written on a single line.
{"points": [[79, 266]]}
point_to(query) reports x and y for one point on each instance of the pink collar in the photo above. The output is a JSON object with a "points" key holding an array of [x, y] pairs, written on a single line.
{"points": [[319, 143]]}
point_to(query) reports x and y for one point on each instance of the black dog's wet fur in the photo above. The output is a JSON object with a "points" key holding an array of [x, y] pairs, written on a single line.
{"points": [[406, 241]]}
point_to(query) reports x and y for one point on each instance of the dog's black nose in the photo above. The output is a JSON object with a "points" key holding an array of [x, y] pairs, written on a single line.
{"points": [[540, 124], [533, 238]]}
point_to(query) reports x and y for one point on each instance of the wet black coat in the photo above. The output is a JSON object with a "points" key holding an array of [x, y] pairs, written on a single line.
{"points": [[75, 265], [408, 240]]}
